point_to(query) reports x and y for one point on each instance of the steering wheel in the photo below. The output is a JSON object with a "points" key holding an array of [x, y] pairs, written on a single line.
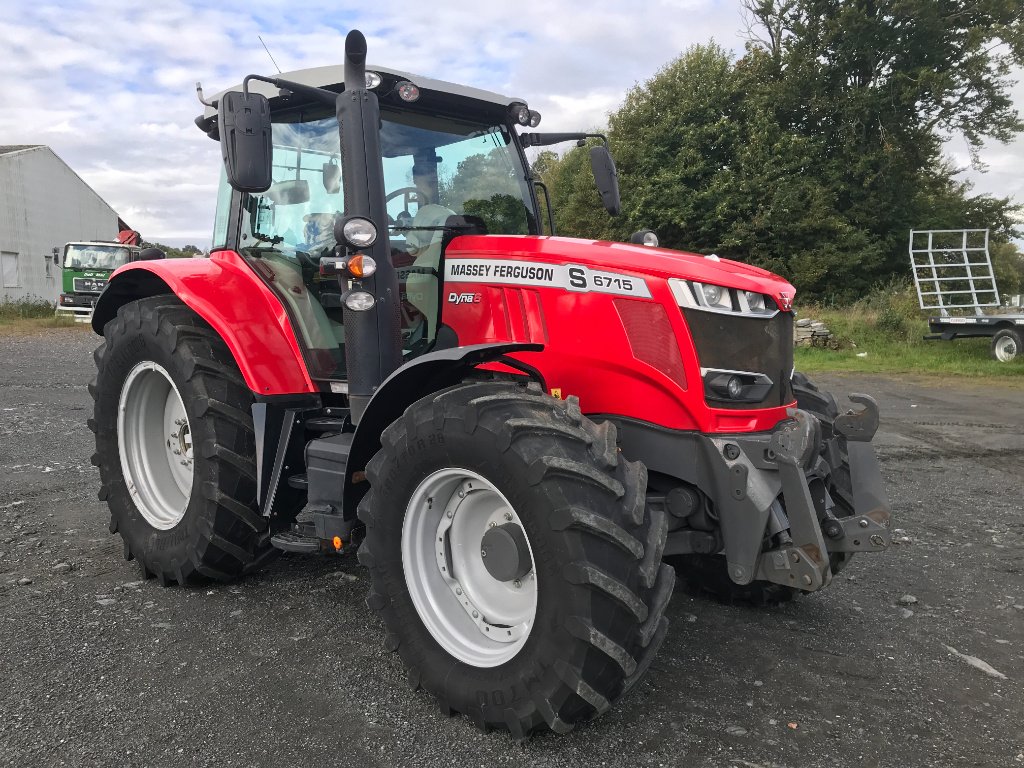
{"points": [[420, 201]]}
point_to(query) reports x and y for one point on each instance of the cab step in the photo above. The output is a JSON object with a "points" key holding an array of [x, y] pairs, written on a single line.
{"points": [[300, 543], [325, 424]]}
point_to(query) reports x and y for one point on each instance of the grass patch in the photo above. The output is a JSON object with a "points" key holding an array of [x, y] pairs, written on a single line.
{"points": [[32, 314], [25, 309], [889, 327]]}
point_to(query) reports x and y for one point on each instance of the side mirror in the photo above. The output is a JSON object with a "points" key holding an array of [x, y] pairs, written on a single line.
{"points": [[607, 178], [332, 178], [243, 121], [289, 192]]}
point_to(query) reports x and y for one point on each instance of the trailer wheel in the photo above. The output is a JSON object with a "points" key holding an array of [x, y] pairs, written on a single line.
{"points": [[175, 446], [707, 574], [1007, 345], [512, 558]]}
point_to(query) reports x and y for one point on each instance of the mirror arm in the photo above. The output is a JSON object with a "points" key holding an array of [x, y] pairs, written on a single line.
{"points": [[547, 139], [321, 95]]}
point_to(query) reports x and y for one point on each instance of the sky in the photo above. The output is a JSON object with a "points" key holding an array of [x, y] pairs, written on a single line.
{"points": [[110, 86]]}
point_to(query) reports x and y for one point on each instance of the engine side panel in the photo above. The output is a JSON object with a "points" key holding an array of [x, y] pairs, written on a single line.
{"points": [[234, 301], [613, 333]]}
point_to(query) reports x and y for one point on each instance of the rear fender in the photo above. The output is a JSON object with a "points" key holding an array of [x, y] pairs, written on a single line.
{"points": [[428, 373], [228, 295]]}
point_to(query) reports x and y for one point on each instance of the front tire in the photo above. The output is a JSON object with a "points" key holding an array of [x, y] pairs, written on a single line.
{"points": [[592, 550], [175, 446]]}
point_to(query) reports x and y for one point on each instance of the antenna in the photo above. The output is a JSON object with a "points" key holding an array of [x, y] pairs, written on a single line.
{"points": [[269, 54]]}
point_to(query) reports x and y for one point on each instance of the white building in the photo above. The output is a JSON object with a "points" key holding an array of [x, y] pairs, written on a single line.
{"points": [[43, 204]]}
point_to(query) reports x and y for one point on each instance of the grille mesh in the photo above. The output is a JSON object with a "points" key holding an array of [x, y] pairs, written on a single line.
{"points": [[754, 344], [651, 338]]}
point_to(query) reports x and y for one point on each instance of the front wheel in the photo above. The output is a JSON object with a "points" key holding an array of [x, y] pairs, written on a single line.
{"points": [[512, 558]]}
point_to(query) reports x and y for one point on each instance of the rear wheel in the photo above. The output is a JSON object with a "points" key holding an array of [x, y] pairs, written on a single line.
{"points": [[1007, 345], [512, 558], [175, 445]]}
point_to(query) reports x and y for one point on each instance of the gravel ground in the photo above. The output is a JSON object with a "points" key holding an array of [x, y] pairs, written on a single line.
{"points": [[287, 667]]}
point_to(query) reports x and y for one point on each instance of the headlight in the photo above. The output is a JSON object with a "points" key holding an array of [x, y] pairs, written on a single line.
{"points": [[407, 91], [716, 296], [709, 297], [359, 301], [359, 232], [521, 114], [372, 80]]}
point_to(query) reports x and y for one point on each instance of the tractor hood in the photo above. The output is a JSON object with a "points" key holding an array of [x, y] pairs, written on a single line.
{"points": [[633, 259]]}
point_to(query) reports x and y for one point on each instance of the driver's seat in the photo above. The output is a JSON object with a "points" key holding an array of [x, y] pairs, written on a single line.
{"points": [[421, 286]]}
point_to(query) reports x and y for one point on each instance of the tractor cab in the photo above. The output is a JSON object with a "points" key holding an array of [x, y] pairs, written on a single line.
{"points": [[448, 153]]}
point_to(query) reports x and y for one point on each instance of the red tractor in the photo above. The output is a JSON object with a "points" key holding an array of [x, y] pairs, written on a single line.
{"points": [[520, 435]]}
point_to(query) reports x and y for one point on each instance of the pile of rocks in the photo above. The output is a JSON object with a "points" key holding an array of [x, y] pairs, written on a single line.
{"points": [[812, 333]]}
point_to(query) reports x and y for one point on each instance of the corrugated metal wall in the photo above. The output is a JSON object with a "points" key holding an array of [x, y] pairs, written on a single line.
{"points": [[44, 204]]}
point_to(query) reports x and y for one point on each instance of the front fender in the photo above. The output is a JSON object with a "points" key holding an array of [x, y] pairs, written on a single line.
{"points": [[428, 373], [228, 295]]}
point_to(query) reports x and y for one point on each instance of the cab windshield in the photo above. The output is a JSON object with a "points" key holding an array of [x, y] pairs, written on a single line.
{"points": [[434, 167], [92, 256]]}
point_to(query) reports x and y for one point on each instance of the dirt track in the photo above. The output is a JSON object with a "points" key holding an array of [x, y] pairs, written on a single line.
{"points": [[287, 668]]}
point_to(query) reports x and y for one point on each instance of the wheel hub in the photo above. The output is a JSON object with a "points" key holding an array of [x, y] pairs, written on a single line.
{"points": [[476, 589], [155, 445], [505, 553]]}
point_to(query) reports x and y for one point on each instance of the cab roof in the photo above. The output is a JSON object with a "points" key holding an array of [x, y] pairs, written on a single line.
{"points": [[334, 76]]}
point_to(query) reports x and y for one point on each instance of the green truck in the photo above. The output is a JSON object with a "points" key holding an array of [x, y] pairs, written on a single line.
{"points": [[86, 268]]}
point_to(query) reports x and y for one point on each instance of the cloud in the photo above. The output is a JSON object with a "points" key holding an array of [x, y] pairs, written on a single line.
{"points": [[109, 84]]}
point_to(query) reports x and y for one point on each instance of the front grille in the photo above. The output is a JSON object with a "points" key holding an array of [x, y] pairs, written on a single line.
{"points": [[89, 284], [754, 344], [647, 327]]}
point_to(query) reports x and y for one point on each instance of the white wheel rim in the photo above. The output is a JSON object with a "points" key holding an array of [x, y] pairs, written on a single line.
{"points": [[154, 439], [1006, 349], [476, 618]]}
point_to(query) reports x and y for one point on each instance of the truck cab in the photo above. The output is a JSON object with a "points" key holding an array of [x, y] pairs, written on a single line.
{"points": [[86, 267]]}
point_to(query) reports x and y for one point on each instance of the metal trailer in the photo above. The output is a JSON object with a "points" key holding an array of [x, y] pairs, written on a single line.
{"points": [[953, 274]]}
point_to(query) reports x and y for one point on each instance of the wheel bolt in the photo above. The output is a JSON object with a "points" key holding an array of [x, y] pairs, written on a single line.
{"points": [[517, 583], [476, 615], [807, 580], [483, 553], [508, 515], [863, 523], [449, 513], [458, 590], [462, 494]]}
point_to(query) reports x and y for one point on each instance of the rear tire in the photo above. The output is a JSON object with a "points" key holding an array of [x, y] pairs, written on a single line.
{"points": [[601, 589], [1007, 345], [158, 357]]}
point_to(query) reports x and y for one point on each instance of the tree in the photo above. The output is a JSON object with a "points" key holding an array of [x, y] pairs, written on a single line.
{"points": [[187, 252], [815, 153]]}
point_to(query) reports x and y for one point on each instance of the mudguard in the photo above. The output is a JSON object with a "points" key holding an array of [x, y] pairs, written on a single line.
{"points": [[228, 295], [428, 373]]}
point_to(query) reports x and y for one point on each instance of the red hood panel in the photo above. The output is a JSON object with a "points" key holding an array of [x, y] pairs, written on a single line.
{"points": [[636, 259]]}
